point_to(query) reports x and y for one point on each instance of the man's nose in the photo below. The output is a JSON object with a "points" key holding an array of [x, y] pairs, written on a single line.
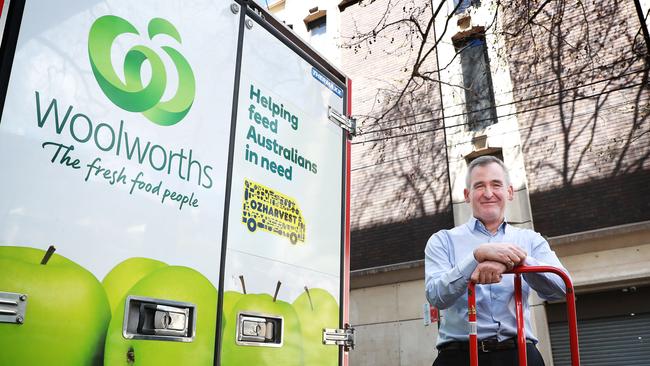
{"points": [[488, 192]]}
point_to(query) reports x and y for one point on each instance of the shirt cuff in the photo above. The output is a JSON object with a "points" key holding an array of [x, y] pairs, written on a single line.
{"points": [[467, 266]]}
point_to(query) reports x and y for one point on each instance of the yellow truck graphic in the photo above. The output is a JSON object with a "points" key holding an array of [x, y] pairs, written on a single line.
{"points": [[272, 211]]}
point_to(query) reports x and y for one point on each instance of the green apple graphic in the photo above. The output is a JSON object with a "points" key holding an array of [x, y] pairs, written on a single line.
{"points": [[317, 310], [175, 283], [230, 298], [126, 274], [66, 315], [289, 354]]}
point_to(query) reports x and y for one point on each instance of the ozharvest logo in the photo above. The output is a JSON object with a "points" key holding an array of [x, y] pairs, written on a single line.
{"points": [[131, 94]]}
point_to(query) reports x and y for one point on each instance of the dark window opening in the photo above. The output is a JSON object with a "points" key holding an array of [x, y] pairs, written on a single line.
{"points": [[466, 4], [315, 19], [316, 24], [477, 81]]}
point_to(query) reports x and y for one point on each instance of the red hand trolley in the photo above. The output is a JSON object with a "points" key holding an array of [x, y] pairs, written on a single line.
{"points": [[519, 308]]}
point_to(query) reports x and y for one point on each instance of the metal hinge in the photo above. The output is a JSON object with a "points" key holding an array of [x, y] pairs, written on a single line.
{"points": [[347, 123], [12, 307], [340, 337]]}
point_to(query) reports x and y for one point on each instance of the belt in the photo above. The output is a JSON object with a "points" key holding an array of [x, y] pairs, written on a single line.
{"points": [[486, 345]]}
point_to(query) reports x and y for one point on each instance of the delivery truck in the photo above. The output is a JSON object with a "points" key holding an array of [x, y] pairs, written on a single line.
{"points": [[174, 187]]}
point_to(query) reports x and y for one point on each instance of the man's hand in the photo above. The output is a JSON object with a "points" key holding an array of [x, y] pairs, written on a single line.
{"points": [[509, 255], [488, 272]]}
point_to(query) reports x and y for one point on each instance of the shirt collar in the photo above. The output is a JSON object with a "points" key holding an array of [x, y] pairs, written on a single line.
{"points": [[475, 224]]}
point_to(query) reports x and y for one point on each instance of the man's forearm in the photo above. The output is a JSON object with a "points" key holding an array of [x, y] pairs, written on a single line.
{"points": [[444, 288], [549, 286]]}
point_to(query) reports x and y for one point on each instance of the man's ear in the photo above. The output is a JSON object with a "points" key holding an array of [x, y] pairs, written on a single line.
{"points": [[511, 193], [466, 193]]}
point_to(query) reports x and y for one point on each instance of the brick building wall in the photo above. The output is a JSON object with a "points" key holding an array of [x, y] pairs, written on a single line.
{"points": [[400, 190], [582, 96], [582, 100]]}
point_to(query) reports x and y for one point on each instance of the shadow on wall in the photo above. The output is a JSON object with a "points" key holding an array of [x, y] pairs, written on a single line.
{"points": [[592, 205], [396, 242], [581, 74]]}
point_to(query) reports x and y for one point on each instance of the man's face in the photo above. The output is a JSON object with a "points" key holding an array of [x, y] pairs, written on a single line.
{"points": [[488, 193]]}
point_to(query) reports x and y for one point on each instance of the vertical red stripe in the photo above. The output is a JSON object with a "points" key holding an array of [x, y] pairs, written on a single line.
{"points": [[346, 253]]}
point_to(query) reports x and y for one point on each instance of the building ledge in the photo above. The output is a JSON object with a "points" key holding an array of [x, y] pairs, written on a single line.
{"points": [[277, 6], [388, 274], [599, 233], [622, 236], [345, 3], [612, 237]]}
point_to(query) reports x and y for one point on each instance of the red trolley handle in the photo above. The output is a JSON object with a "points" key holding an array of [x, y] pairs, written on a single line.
{"points": [[519, 308]]}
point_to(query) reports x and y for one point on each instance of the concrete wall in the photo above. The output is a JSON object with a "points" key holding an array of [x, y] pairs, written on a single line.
{"points": [[386, 303], [390, 329], [609, 258]]}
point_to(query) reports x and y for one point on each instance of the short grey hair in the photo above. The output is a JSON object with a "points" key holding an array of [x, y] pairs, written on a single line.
{"points": [[483, 161]]}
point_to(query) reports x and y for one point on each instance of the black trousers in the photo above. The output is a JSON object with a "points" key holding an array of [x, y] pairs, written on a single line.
{"points": [[496, 358]]}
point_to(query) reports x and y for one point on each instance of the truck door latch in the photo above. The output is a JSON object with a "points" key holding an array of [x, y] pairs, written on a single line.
{"points": [[156, 319], [255, 329], [340, 337]]}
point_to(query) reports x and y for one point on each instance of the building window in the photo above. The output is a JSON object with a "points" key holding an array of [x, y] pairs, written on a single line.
{"points": [[316, 23], [465, 4], [479, 94], [318, 27]]}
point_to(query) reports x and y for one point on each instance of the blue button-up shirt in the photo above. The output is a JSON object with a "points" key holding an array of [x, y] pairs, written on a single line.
{"points": [[449, 263]]}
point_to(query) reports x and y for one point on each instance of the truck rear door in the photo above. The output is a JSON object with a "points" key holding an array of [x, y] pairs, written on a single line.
{"points": [[283, 259], [174, 187]]}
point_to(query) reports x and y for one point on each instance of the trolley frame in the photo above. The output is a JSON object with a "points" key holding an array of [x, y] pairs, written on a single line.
{"points": [[519, 309]]}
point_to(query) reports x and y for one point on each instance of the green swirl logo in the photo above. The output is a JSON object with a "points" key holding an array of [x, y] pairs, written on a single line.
{"points": [[132, 95]]}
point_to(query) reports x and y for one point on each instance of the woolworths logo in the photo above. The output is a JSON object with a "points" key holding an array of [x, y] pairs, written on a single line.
{"points": [[131, 94]]}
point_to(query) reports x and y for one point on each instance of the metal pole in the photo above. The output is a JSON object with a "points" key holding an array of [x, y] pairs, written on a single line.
{"points": [[473, 329], [521, 329]]}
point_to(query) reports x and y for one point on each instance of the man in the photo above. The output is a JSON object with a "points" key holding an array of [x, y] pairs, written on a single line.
{"points": [[481, 251]]}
